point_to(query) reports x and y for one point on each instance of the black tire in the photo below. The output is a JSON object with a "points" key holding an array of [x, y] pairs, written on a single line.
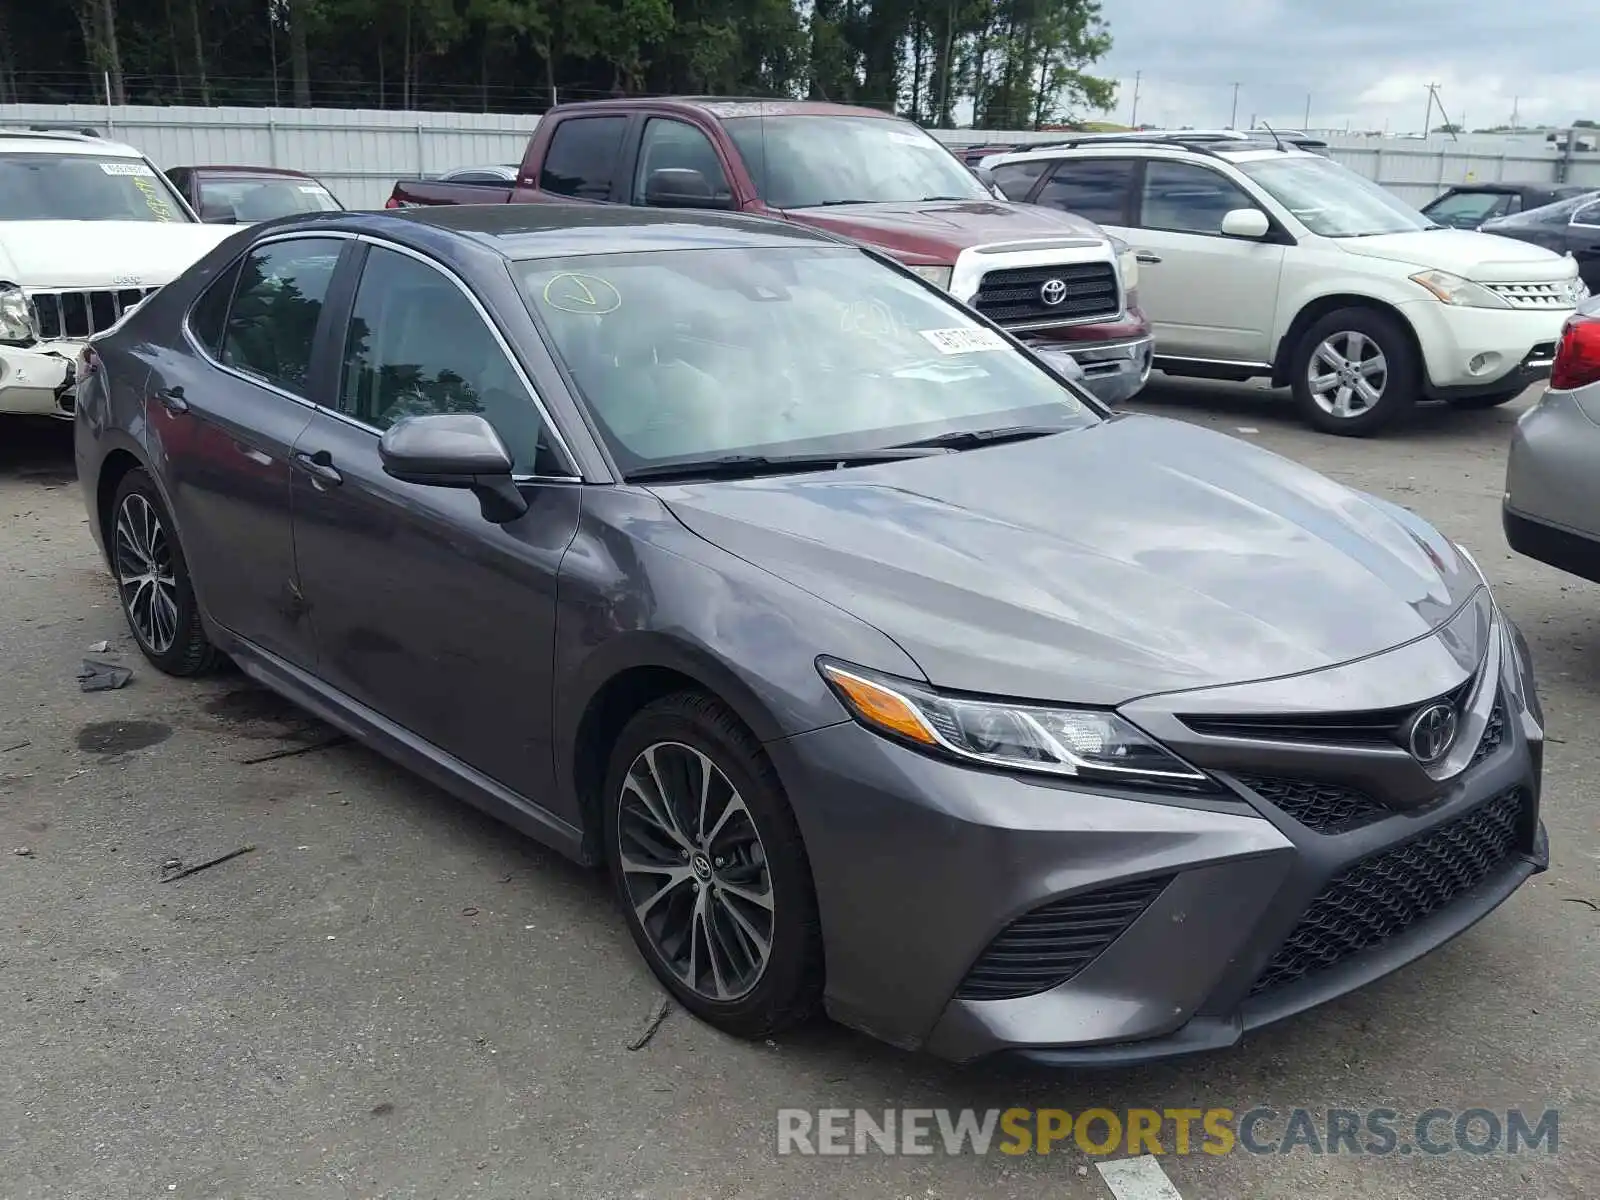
{"points": [[1478, 403], [1400, 378], [787, 988], [178, 646]]}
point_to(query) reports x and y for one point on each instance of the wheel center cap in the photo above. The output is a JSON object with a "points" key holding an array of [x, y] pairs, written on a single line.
{"points": [[701, 865]]}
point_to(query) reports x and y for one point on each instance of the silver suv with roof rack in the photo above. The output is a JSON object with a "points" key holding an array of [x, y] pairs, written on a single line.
{"points": [[1262, 260]]}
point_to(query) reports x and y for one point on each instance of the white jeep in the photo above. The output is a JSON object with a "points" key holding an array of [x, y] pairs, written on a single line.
{"points": [[88, 229], [1261, 260]]}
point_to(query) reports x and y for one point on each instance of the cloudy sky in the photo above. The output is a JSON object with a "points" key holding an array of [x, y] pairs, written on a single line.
{"points": [[1367, 62]]}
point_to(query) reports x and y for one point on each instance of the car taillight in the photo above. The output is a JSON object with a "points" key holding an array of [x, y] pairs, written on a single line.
{"points": [[1578, 357], [391, 202]]}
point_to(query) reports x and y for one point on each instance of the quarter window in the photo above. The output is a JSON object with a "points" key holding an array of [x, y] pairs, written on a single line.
{"points": [[416, 345], [272, 325], [209, 316], [582, 159], [1096, 189], [1184, 198]]}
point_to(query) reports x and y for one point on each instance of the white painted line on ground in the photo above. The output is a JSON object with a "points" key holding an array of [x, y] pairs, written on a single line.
{"points": [[1137, 1179]]}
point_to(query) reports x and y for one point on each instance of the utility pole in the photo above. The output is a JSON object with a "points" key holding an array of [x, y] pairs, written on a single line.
{"points": [[1515, 101], [1427, 117], [1133, 119], [1305, 125], [1233, 118]]}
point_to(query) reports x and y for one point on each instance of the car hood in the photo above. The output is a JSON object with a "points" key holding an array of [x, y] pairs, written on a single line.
{"points": [[1134, 557], [941, 229], [102, 254], [1467, 253]]}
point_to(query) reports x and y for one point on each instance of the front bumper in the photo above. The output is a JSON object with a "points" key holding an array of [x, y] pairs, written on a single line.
{"points": [[1113, 371], [937, 884], [1513, 348], [38, 380]]}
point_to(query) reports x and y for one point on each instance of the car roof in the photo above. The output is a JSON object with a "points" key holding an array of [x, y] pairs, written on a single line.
{"points": [[529, 231], [62, 141], [1230, 151], [723, 107], [285, 172]]}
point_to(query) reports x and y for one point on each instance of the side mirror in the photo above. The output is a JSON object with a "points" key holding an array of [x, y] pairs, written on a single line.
{"points": [[1246, 223], [454, 450], [682, 187], [985, 177]]}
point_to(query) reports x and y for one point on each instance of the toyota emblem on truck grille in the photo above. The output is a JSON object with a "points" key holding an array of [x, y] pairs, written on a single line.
{"points": [[1052, 292], [1433, 732]]}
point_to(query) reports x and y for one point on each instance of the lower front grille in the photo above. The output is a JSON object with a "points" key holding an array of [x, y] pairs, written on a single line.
{"points": [[1493, 734], [1324, 807], [1048, 946], [75, 315], [1017, 295], [1383, 895]]}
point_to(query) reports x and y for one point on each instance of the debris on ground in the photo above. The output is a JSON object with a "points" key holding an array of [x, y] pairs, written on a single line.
{"points": [[337, 739], [1581, 900], [653, 1023], [184, 872], [22, 745], [96, 676], [99, 647], [23, 852], [469, 911]]}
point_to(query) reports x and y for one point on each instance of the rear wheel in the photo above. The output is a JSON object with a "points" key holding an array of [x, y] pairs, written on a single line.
{"points": [[153, 580], [708, 864], [1490, 400], [1355, 372]]}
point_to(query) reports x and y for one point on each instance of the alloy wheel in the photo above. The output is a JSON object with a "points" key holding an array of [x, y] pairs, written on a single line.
{"points": [[146, 577], [695, 871], [1348, 374]]}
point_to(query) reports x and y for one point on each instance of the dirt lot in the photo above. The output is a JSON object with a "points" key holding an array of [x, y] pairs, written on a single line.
{"points": [[391, 996]]}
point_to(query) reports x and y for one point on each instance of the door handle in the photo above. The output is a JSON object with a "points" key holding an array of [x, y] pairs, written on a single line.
{"points": [[1148, 258], [319, 465], [172, 400]]}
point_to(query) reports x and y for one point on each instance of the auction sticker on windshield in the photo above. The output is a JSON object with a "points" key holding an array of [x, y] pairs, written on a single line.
{"points": [[128, 168], [964, 341]]}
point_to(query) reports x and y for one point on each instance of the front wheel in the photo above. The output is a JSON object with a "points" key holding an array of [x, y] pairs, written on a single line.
{"points": [[1354, 372], [708, 864]]}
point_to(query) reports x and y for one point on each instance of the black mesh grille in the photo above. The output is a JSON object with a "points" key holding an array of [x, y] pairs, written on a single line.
{"points": [[1493, 734], [1324, 807], [79, 314], [1051, 944], [1012, 296], [1370, 902]]}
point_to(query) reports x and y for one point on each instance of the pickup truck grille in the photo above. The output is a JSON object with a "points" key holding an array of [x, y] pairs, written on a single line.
{"points": [[75, 315], [1016, 295]]}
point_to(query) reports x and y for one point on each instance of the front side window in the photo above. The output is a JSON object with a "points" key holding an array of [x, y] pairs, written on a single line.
{"points": [[416, 345], [1589, 214], [809, 162], [272, 324], [85, 187], [1468, 210], [677, 146], [1016, 179], [1183, 198], [1558, 215], [581, 160], [1330, 200], [1096, 189], [262, 198], [688, 355]]}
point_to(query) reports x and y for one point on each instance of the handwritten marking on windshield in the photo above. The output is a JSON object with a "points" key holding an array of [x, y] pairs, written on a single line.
{"points": [[585, 295]]}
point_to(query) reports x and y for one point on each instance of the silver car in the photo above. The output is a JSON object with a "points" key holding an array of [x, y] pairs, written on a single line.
{"points": [[1551, 509]]}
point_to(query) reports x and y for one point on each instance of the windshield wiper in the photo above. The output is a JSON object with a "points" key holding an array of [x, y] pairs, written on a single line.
{"points": [[836, 203], [928, 199], [971, 439], [733, 466]]}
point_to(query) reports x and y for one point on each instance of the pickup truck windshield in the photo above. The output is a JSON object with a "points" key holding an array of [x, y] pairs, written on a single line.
{"points": [[807, 161], [689, 356], [84, 187]]}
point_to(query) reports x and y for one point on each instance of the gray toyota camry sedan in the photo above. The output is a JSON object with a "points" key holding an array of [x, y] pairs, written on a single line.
{"points": [[882, 669]]}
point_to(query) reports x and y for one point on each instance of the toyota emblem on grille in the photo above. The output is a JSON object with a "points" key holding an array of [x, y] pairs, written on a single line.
{"points": [[1052, 292], [1433, 732]]}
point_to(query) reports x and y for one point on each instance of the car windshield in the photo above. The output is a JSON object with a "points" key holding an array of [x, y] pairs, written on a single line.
{"points": [[1559, 213], [40, 186], [1331, 200], [247, 198], [1467, 210], [804, 162], [686, 356]]}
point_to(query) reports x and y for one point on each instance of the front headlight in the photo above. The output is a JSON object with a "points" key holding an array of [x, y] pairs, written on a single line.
{"points": [[1084, 743], [16, 316], [938, 276], [1453, 289]]}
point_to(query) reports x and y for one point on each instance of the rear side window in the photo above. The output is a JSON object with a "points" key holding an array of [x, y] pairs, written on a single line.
{"points": [[209, 316], [582, 157], [272, 324], [1016, 180], [1097, 189]]}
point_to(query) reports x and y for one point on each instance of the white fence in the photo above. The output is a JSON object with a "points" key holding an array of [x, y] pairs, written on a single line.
{"points": [[359, 153]]}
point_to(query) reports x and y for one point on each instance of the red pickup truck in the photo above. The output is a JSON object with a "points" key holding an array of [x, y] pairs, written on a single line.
{"points": [[1055, 280]]}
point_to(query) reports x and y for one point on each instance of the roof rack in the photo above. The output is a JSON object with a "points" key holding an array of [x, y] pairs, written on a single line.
{"points": [[1204, 144], [52, 131]]}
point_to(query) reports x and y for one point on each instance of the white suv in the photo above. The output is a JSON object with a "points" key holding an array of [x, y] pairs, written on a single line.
{"points": [[1266, 261], [88, 229]]}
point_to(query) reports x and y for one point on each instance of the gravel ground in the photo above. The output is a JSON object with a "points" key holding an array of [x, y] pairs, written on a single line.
{"points": [[391, 996]]}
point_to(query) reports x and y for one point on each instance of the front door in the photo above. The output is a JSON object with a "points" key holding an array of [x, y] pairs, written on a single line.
{"points": [[439, 620], [225, 425]]}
